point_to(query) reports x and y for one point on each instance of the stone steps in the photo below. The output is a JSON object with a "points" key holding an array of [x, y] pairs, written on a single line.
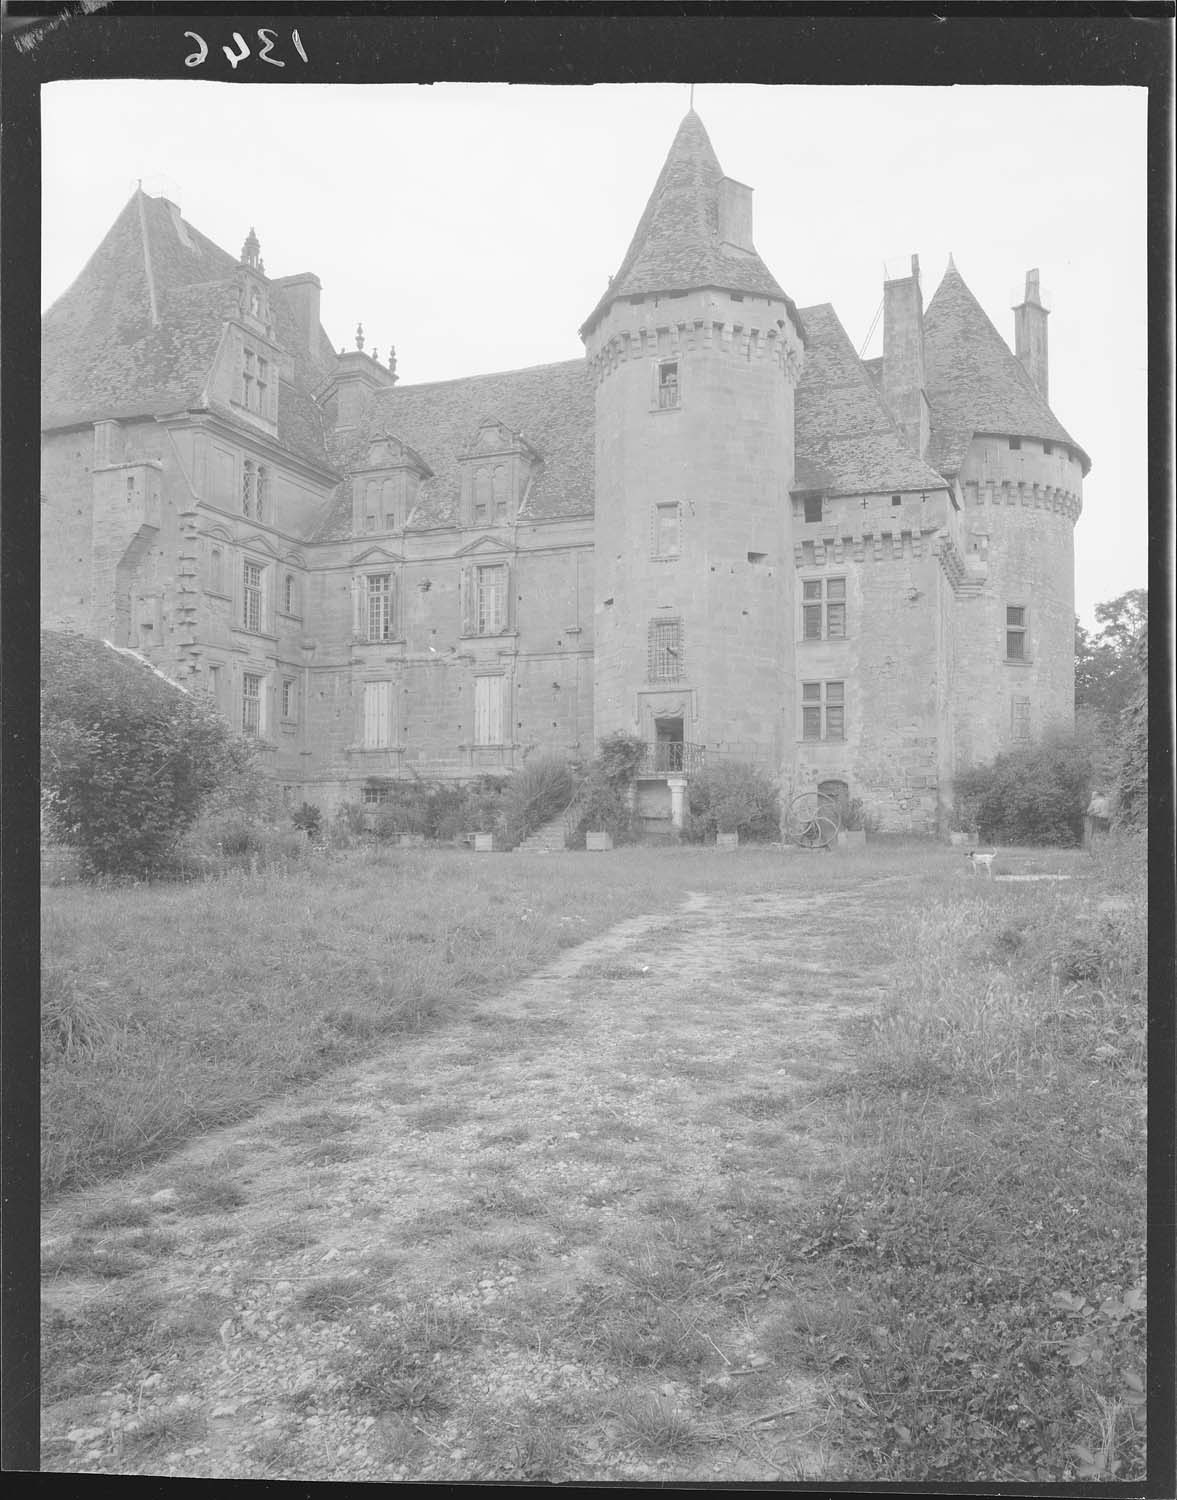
{"points": [[548, 838]]}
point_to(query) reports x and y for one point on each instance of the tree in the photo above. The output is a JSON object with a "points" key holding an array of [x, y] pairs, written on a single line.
{"points": [[128, 759], [1131, 806], [1105, 663]]}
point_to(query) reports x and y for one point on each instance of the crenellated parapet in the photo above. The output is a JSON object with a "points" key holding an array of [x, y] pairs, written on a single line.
{"points": [[994, 494], [749, 344], [706, 321], [880, 546]]}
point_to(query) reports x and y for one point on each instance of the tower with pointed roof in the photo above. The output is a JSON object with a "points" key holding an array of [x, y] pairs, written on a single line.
{"points": [[694, 352], [719, 529], [1018, 475]]}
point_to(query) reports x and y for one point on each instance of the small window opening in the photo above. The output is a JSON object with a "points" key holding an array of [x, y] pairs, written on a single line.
{"points": [[757, 557], [812, 507], [1015, 444], [667, 384], [1048, 449], [896, 499]]}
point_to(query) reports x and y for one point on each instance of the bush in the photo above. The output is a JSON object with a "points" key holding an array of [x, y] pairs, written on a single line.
{"points": [[1131, 778], [309, 819], [733, 797], [127, 759], [536, 792], [1033, 796], [605, 799]]}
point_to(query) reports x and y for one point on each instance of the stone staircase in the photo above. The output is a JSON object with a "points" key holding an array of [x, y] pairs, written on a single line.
{"points": [[548, 838]]}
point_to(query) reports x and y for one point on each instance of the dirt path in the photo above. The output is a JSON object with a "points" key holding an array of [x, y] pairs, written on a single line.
{"points": [[494, 1251]]}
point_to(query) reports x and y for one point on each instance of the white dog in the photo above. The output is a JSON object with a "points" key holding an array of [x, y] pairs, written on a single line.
{"points": [[982, 858]]}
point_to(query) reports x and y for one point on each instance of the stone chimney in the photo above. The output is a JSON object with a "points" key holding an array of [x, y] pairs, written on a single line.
{"points": [[357, 377], [1030, 344], [735, 214], [302, 295], [904, 384]]}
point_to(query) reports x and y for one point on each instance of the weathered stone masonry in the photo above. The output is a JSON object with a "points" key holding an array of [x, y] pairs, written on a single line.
{"points": [[719, 529]]}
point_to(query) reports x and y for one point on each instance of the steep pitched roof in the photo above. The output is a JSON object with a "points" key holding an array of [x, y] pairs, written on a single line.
{"points": [[847, 441], [137, 332], [676, 245], [975, 384], [550, 405]]}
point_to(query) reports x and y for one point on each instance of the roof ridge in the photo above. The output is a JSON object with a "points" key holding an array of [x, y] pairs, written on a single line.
{"points": [[425, 385]]}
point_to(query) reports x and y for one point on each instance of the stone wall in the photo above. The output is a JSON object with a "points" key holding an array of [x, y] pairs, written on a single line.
{"points": [[723, 454]]}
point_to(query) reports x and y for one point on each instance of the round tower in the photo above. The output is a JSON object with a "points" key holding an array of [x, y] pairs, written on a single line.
{"points": [[695, 351], [1021, 481]]}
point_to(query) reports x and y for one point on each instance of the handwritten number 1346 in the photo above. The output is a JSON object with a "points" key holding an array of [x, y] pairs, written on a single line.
{"points": [[265, 36]]}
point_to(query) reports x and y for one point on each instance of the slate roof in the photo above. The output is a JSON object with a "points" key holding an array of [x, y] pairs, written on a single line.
{"points": [[847, 441], [101, 356], [550, 405], [975, 384], [676, 245]]}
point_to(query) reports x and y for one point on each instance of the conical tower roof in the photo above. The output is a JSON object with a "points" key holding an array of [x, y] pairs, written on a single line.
{"points": [[676, 246], [975, 383]]}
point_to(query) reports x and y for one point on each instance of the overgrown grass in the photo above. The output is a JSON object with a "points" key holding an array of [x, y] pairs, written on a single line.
{"points": [[984, 1225], [171, 1009]]}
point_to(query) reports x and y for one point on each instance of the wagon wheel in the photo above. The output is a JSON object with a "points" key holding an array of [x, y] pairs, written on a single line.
{"points": [[812, 820]]}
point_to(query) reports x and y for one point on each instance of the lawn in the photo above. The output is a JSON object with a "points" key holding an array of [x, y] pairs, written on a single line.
{"points": [[935, 1230]]}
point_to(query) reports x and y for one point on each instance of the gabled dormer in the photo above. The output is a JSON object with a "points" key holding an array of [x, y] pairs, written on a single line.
{"points": [[496, 467], [385, 487]]}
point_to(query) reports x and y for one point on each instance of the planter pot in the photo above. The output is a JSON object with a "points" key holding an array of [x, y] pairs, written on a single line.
{"points": [[484, 843], [727, 840], [852, 838], [599, 840]]}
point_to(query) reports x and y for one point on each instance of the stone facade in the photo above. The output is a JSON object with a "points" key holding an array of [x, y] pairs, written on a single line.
{"points": [[720, 529]]}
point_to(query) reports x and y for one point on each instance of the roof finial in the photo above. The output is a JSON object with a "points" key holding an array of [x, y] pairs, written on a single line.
{"points": [[692, 98], [360, 336], [376, 354], [392, 360], [251, 249], [951, 262]]}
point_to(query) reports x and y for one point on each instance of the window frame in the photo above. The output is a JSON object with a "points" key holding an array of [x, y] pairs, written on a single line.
{"points": [[257, 701], [1019, 631], [823, 604], [656, 514], [483, 592], [289, 700], [665, 654], [253, 593], [383, 597], [826, 698]]}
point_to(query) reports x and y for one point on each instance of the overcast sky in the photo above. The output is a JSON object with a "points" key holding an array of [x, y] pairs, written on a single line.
{"points": [[475, 226]]}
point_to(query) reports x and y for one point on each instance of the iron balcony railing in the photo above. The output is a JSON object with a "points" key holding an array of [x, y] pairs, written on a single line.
{"points": [[673, 758]]}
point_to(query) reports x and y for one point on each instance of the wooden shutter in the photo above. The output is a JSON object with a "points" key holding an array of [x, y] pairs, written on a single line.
{"points": [[377, 715], [498, 687], [488, 710], [469, 603]]}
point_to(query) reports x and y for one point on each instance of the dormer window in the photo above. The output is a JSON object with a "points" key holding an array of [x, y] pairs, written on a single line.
{"points": [[256, 390], [497, 469]]}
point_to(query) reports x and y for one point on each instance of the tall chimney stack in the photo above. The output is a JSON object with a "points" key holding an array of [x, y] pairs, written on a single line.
{"points": [[1030, 341], [904, 376], [303, 294]]}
